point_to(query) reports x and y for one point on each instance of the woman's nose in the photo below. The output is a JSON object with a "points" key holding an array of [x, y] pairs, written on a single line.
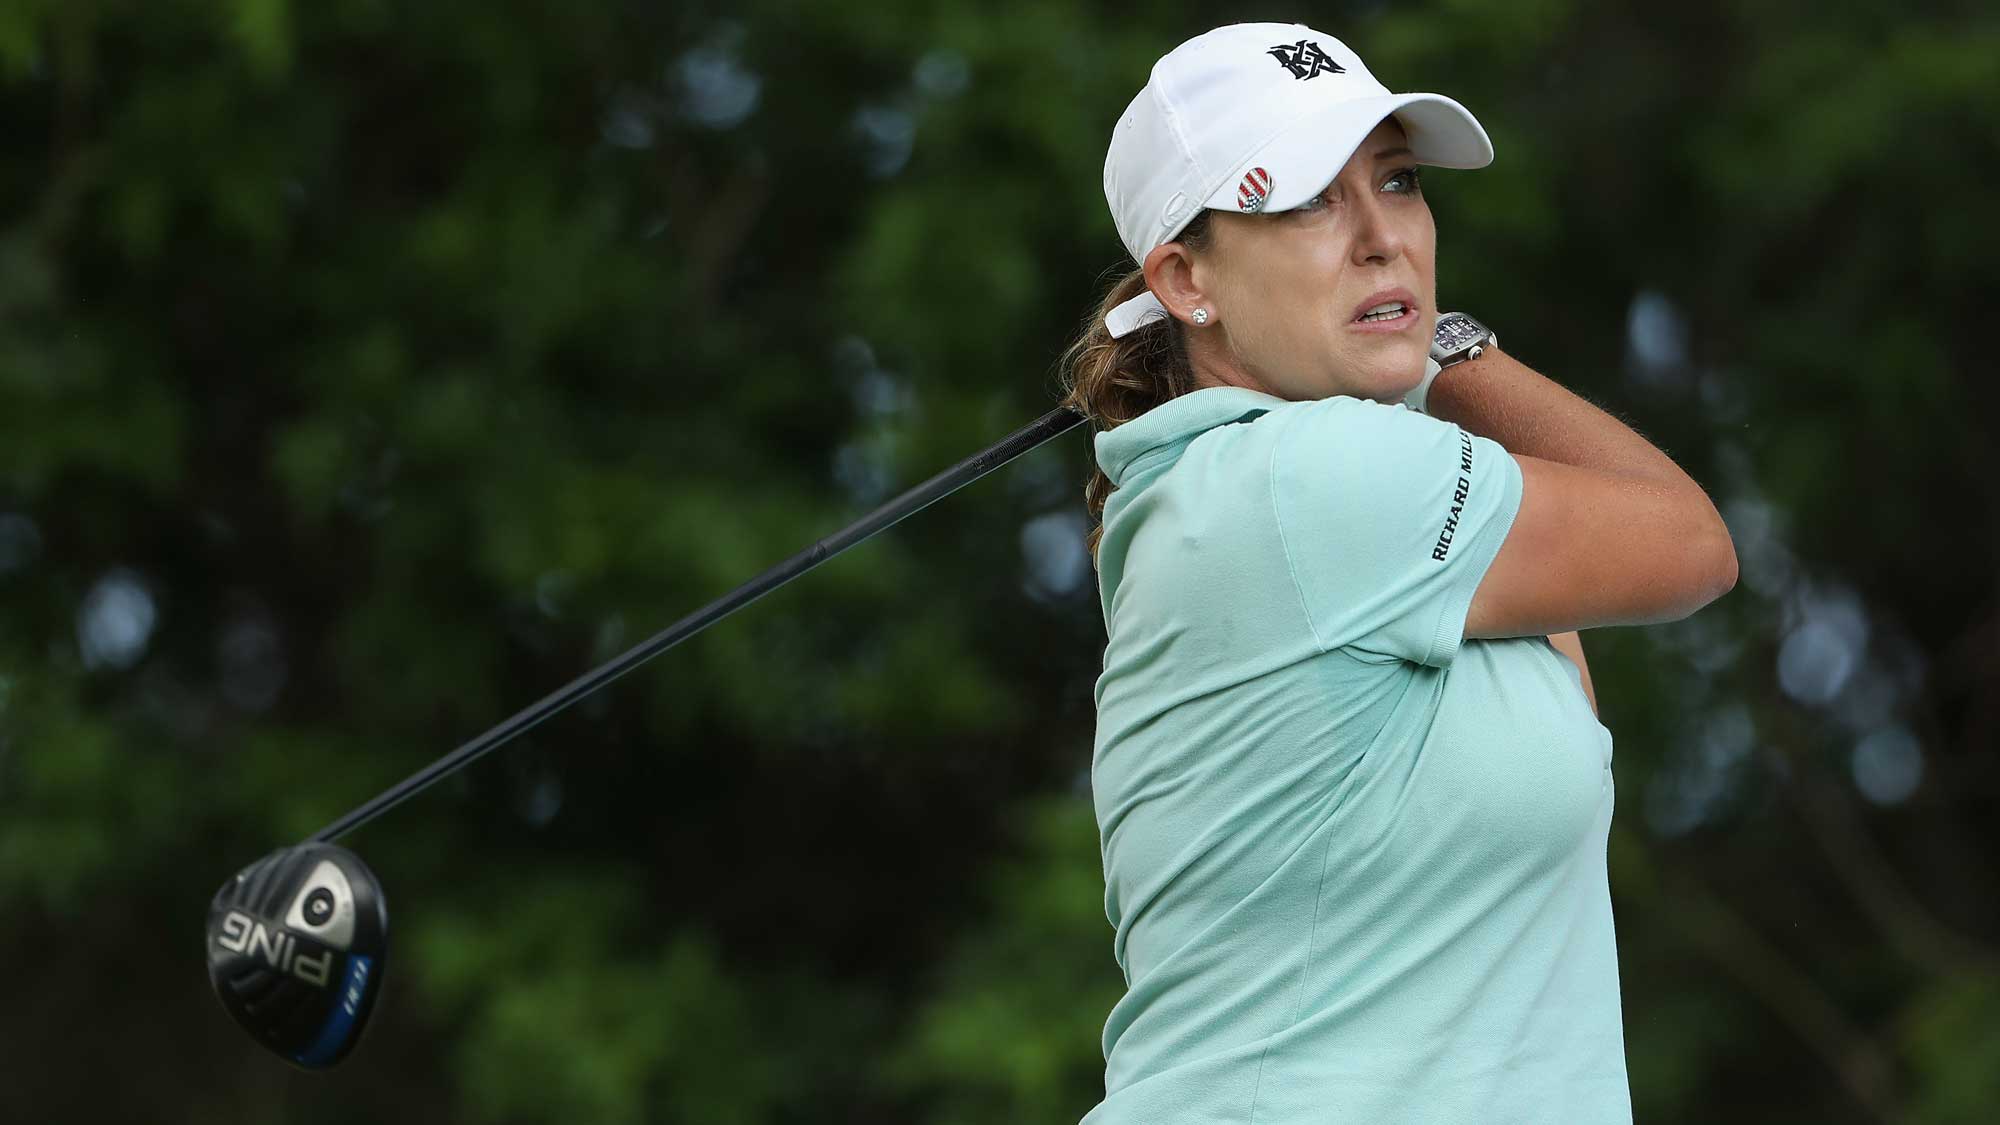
{"points": [[1376, 237]]}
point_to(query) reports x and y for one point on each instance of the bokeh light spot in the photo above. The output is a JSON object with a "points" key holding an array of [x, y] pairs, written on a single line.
{"points": [[115, 621], [1888, 765]]}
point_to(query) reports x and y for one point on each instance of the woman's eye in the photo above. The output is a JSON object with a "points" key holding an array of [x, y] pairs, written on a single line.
{"points": [[1410, 180]]}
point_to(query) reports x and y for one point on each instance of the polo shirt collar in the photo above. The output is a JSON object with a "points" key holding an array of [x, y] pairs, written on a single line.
{"points": [[1174, 423]]}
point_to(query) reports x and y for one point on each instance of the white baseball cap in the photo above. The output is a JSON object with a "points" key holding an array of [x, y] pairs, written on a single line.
{"points": [[1256, 117]]}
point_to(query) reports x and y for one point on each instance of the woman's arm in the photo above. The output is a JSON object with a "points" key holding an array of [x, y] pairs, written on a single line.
{"points": [[1610, 531], [1499, 397], [1571, 645]]}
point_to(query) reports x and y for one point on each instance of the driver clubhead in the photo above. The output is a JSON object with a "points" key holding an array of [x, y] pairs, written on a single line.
{"points": [[296, 947]]}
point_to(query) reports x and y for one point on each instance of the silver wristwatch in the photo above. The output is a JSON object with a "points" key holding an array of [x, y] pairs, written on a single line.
{"points": [[1458, 337]]}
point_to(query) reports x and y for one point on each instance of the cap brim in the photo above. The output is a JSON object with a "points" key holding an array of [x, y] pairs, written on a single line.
{"points": [[1308, 154]]}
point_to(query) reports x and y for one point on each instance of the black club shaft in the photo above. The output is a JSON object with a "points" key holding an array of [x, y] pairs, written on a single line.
{"points": [[1048, 427]]}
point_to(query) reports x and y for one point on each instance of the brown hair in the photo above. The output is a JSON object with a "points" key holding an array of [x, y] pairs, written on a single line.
{"points": [[1112, 381]]}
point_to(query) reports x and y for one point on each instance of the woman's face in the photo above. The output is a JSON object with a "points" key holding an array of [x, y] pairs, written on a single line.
{"points": [[1284, 291]]}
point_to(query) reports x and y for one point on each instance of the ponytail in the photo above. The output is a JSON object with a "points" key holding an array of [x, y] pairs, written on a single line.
{"points": [[1112, 381]]}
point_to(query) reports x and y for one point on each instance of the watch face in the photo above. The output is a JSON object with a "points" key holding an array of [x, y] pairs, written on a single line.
{"points": [[1455, 331]]}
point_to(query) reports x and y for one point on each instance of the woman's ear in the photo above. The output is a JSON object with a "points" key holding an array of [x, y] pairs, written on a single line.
{"points": [[1169, 270]]}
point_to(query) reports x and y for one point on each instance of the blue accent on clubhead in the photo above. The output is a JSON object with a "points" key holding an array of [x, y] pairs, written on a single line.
{"points": [[339, 1022]]}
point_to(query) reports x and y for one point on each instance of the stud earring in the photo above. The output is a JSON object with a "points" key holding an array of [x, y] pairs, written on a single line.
{"points": [[1200, 316]]}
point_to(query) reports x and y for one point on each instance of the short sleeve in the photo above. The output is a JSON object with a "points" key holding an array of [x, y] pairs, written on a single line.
{"points": [[1389, 519]]}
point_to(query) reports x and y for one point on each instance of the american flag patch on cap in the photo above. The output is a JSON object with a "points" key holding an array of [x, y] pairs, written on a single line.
{"points": [[1253, 191]]}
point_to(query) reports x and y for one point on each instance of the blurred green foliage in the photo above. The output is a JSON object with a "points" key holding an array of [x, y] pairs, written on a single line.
{"points": [[368, 370]]}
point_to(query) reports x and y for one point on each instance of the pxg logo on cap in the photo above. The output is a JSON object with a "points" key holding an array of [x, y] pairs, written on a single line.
{"points": [[1305, 59]]}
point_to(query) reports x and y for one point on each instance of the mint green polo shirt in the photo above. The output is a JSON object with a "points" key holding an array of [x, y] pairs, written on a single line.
{"points": [[1354, 863]]}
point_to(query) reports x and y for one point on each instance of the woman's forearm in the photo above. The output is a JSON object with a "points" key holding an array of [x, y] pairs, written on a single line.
{"points": [[1499, 397]]}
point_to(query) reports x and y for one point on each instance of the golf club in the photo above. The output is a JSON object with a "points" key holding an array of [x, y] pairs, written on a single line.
{"points": [[297, 941]]}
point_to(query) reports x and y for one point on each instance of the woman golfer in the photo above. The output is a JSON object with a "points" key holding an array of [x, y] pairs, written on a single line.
{"points": [[1352, 792]]}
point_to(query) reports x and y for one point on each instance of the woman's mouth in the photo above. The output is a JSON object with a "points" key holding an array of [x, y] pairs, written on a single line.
{"points": [[1390, 316]]}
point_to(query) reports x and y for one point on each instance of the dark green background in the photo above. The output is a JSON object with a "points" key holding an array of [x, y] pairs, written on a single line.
{"points": [[369, 369]]}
